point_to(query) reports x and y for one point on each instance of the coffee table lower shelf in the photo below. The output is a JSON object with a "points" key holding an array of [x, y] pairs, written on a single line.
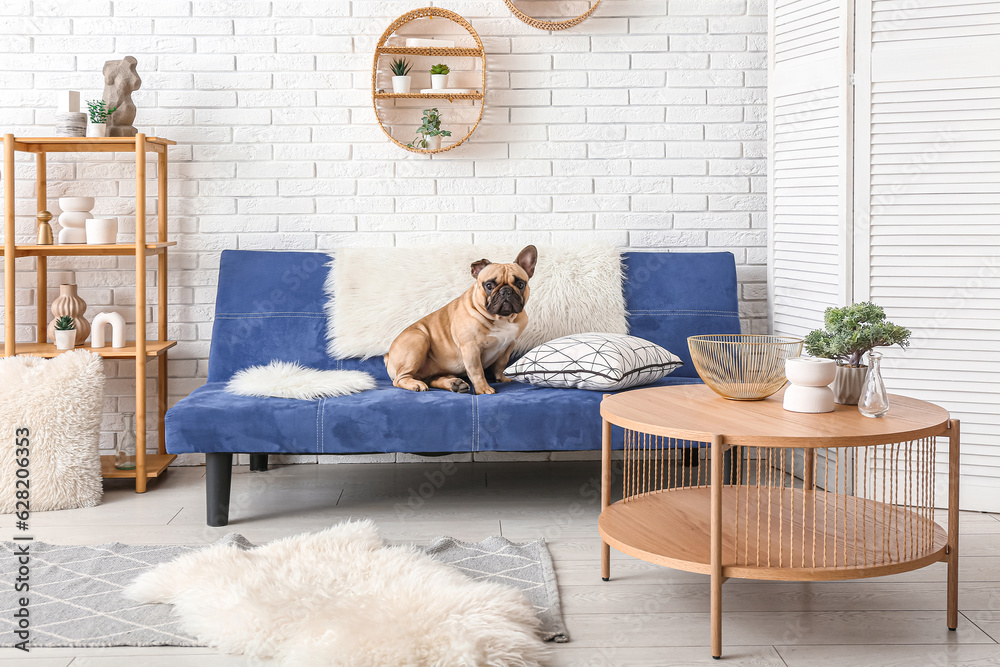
{"points": [[796, 536]]}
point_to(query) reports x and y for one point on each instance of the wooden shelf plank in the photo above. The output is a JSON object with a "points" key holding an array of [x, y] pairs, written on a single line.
{"points": [[88, 144], [154, 348], [471, 52], [156, 464], [429, 96], [82, 249]]}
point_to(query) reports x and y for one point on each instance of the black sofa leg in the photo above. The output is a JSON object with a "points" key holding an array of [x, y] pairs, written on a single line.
{"points": [[218, 482], [258, 463]]}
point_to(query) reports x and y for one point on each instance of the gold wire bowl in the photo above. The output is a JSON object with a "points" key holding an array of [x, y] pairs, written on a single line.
{"points": [[743, 367]]}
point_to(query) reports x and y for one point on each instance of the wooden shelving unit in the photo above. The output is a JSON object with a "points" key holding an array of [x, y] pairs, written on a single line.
{"points": [[141, 349], [383, 49]]}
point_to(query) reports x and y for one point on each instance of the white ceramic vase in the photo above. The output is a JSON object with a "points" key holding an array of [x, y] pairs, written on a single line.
{"points": [[97, 129], [65, 339], [809, 390], [439, 81], [74, 217], [401, 85], [102, 231], [433, 143]]}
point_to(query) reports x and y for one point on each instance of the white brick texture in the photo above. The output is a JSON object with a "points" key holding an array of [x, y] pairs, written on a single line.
{"points": [[642, 126]]}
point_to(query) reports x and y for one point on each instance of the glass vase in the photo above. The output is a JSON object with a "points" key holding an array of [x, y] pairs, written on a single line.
{"points": [[125, 446], [874, 401]]}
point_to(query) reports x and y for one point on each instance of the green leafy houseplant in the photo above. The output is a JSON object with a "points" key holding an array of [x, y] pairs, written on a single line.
{"points": [[430, 127], [440, 69], [400, 67], [65, 323], [852, 331], [99, 111]]}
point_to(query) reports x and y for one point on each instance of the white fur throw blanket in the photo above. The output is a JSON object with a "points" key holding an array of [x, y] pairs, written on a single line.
{"points": [[59, 402], [375, 293], [288, 379], [342, 598]]}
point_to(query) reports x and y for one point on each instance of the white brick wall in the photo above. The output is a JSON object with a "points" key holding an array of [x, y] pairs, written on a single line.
{"points": [[643, 126]]}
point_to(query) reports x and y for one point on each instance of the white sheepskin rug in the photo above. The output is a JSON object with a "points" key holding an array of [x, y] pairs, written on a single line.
{"points": [[342, 598], [52, 406], [375, 293], [284, 379]]}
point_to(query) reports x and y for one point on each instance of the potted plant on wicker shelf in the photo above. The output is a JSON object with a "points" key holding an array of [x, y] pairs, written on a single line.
{"points": [[429, 133], [65, 333], [400, 76], [849, 333], [98, 113], [439, 76]]}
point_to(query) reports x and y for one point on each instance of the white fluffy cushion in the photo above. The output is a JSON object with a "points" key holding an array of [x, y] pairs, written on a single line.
{"points": [[595, 361], [58, 401], [284, 379]]}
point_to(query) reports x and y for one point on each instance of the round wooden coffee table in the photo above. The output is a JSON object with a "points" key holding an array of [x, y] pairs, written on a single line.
{"points": [[811, 497]]}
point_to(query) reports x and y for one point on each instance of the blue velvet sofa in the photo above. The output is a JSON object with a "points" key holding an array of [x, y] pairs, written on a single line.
{"points": [[270, 306]]}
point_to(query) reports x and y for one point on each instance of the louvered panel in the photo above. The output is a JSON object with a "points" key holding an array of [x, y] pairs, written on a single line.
{"points": [[805, 28], [933, 192]]}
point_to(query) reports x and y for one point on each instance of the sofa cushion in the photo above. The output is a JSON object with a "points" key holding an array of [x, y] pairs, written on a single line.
{"points": [[595, 362], [519, 417]]}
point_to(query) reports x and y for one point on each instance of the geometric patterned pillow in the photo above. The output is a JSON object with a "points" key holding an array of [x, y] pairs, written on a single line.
{"points": [[594, 361]]}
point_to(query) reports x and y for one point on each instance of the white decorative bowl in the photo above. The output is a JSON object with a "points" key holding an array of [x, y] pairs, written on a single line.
{"points": [[76, 203], [810, 371]]}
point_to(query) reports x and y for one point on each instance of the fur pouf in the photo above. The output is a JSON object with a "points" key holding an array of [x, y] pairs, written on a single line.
{"points": [[58, 401], [342, 598], [375, 293], [282, 379]]}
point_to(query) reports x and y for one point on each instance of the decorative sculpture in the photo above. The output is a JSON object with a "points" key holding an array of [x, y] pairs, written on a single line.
{"points": [[44, 228], [120, 79], [97, 329]]}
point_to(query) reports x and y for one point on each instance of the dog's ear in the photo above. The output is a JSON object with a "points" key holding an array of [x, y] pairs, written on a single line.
{"points": [[479, 266], [526, 260]]}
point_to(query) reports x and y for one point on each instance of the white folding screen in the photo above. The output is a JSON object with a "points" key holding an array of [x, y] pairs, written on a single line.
{"points": [[809, 173], [889, 190], [927, 210]]}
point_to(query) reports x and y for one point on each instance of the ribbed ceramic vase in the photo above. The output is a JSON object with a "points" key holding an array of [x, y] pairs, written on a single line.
{"points": [[68, 303], [848, 383]]}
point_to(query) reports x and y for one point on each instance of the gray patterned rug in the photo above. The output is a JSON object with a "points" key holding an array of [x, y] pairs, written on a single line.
{"points": [[75, 591]]}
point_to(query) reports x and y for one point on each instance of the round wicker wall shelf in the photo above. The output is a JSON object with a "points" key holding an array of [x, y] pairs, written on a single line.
{"points": [[551, 25], [383, 49]]}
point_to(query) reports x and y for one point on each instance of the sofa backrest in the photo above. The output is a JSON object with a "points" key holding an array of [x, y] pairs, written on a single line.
{"points": [[270, 306]]}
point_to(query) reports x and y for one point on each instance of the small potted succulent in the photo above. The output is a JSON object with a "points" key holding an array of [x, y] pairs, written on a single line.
{"points": [[850, 333], [65, 333], [98, 112], [429, 133], [400, 76], [439, 76]]}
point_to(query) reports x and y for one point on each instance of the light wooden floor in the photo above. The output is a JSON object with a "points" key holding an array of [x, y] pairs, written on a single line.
{"points": [[645, 616]]}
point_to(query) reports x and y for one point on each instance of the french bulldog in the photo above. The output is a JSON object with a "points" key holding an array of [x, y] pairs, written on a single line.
{"points": [[475, 333]]}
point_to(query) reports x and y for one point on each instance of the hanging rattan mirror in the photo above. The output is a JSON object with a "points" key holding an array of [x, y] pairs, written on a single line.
{"points": [[465, 104], [551, 25]]}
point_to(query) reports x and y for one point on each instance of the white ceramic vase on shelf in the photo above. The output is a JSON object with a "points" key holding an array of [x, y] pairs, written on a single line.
{"points": [[102, 231], [401, 85], [809, 390], [439, 81], [74, 217], [97, 129]]}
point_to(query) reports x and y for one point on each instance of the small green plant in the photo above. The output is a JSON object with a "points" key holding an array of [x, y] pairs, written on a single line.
{"points": [[99, 111], [65, 323], [430, 127], [440, 69], [852, 331], [400, 67]]}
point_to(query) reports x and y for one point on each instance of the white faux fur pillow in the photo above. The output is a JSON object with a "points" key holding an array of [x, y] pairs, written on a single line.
{"points": [[55, 405], [284, 379]]}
